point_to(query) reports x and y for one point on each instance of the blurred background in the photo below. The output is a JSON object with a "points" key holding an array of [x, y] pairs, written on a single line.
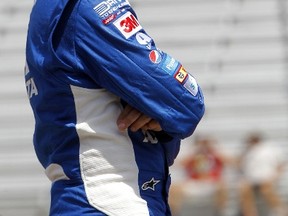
{"points": [[238, 52]]}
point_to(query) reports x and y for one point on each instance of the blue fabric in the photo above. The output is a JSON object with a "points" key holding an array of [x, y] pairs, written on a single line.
{"points": [[98, 44], [124, 67], [68, 198]]}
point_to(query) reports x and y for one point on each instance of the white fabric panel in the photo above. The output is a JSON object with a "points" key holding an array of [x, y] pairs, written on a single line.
{"points": [[55, 172], [108, 166]]}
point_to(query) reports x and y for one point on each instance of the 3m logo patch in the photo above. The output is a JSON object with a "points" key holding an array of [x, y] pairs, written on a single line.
{"points": [[181, 75], [128, 25], [191, 85]]}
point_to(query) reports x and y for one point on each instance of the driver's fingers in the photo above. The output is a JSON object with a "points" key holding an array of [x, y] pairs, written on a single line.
{"points": [[140, 122], [124, 113], [131, 117], [152, 125], [127, 117]]}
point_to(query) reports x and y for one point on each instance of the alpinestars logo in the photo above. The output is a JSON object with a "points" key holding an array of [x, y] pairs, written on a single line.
{"points": [[150, 184]]}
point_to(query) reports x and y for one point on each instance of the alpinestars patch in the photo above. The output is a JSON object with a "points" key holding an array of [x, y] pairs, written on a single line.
{"points": [[150, 184]]}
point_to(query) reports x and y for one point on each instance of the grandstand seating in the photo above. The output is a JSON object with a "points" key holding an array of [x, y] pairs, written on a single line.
{"points": [[235, 49]]}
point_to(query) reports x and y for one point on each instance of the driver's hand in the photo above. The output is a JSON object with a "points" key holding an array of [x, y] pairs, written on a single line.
{"points": [[135, 120]]}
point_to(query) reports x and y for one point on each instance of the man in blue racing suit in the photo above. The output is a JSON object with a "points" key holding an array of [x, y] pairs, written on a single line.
{"points": [[91, 73]]}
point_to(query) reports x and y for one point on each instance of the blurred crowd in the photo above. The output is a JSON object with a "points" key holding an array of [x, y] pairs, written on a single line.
{"points": [[204, 189]]}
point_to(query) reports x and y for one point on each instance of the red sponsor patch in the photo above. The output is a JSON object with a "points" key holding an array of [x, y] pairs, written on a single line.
{"points": [[128, 25], [181, 74], [109, 19], [155, 56]]}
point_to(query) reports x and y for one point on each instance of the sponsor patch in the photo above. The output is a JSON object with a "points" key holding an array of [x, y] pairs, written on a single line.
{"points": [[108, 7], [31, 88], [181, 74], [128, 25], [150, 185], [191, 85], [155, 56], [170, 65], [144, 39], [109, 19]]}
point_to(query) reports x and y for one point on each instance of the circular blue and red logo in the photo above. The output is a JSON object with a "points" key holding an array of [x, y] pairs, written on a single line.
{"points": [[155, 56]]}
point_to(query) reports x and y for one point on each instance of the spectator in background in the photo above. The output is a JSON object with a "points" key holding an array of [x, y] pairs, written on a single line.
{"points": [[204, 188], [261, 165]]}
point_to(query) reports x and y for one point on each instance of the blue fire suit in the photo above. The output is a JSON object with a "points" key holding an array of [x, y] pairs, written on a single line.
{"points": [[86, 59]]}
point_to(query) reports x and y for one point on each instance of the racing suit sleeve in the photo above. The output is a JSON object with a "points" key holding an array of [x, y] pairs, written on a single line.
{"points": [[115, 51]]}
